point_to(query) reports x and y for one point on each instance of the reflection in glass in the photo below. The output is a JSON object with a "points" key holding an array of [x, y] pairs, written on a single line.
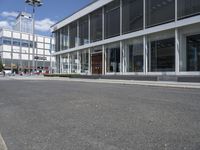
{"points": [[84, 61], [188, 7], [162, 55], [112, 19], [193, 53], [134, 56], [73, 34], [159, 12], [74, 62], [96, 26], [64, 38], [83, 30], [132, 15], [113, 59]]}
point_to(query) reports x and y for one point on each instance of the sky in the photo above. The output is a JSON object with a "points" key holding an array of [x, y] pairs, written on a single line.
{"points": [[48, 14]]}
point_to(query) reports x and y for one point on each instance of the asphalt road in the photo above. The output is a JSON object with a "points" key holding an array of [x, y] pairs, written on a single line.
{"points": [[63, 115]]}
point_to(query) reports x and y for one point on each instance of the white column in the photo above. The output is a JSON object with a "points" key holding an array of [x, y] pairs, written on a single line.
{"points": [[89, 28], [78, 63], [89, 61], [176, 10], [103, 59], [144, 14], [61, 64], [68, 62], [103, 22], [121, 58], [145, 55], [120, 17], [177, 52]]}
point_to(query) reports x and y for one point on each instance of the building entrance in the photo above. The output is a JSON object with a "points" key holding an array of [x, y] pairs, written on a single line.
{"points": [[96, 63]]}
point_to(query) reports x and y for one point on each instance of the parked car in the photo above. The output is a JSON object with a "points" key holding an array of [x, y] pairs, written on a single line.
{"points": [[8, 72]]}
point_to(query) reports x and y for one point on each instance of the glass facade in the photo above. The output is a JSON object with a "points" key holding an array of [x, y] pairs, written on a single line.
{"points": [[193, 52], [113, 58], [132, 11], [161, 52], [74, 62], [84, 56], [151, 50], [96, 26], [73, 35], [83, 31], [64, 38], [159, 12], [134, 55], [112, 19], [188, 8]]}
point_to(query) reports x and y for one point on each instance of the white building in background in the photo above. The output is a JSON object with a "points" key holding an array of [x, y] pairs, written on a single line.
{"points": [[16, 47], [24, 23], [16, 51]]}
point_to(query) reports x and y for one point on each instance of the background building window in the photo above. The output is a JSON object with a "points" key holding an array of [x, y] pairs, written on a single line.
{"points": [[73, 34], [7, 41], [96, 26], [132, 15], [162, 54], [113, 58], [112, 19], [188, 7], [159, 12], [83, 30]]}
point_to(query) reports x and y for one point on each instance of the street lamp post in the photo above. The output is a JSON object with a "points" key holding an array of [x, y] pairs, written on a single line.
{"points": [[34, 4]]}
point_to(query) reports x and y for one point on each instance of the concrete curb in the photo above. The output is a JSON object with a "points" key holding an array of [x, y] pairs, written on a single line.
{"points": [[125, 82]]}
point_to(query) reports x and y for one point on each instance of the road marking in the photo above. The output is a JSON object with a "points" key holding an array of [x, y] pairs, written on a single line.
{"points": [[2, 144]]}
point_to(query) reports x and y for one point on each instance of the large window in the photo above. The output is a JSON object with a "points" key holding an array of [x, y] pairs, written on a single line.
{"points": [[132, 15], [134, 55], [113, 58], [73, 34], [64, 38], [57, 42], [193, 53], [188, 7], [161, 53], [96, 26], [74, 62], [83, 30], [112, 19], [84, 55], [159, 11]]}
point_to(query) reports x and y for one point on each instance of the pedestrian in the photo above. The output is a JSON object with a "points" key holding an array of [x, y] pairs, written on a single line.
{"points": [[4, 73]]}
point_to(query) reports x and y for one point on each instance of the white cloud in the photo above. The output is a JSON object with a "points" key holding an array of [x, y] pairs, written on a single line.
{"points": [[5, 24], [44, 25], [9, 14]]}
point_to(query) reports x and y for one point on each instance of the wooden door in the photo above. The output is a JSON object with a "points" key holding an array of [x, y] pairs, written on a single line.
{"points": [[97, 63]]}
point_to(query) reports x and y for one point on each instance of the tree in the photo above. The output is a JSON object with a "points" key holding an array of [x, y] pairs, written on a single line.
{"points": [[1, 65]]}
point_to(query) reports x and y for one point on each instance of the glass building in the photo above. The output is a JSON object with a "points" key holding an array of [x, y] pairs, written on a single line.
{"points": [[130, 37]]}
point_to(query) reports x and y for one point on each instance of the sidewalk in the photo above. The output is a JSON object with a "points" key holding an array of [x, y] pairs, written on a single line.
{"points": [[125, 82]]}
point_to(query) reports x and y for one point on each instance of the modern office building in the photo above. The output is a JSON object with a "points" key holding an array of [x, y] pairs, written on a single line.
{"points": [[24, 23], [16, 51], [130, 37]]}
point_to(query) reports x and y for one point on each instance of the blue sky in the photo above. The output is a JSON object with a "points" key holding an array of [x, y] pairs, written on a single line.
{"points": [[51, 12]]}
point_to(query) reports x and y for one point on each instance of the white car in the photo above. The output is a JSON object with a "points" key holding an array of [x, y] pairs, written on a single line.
{"points": [[8, 72]]}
